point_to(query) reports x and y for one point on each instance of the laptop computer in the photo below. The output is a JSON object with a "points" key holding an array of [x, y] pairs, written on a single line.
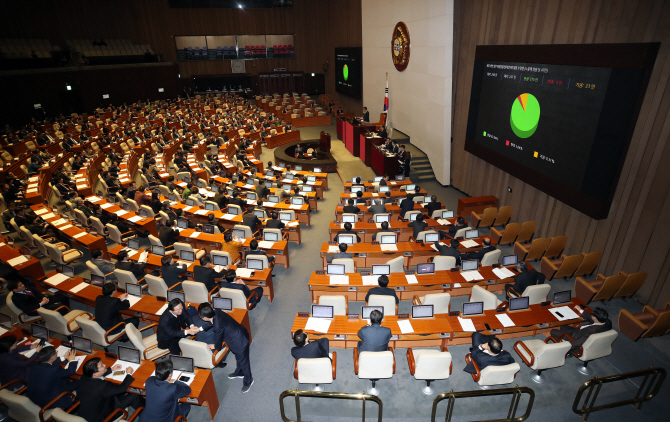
{"points": [[509, 260], [378, 178], [126, 206], [296, 200], [97, 280], [270, 173], [311, 178], [270, 236], [134, 244], [144, 214], [518, 304], [323, 311], [447, 214], [252, 196], [219, 260], [346, 238], [25, 250], [349, 218], [469, 265], [388, 239], [223, 303], [285, 216], [208, 228], [130, 355], [356, 189], [185, 365], [422, 311], [134, 290], [472, 234], [425, 268], [381, 270], [259, 213], [268, 185], [68, 271], [188, 256], [561, 298], [176, 295], [431, 237], [365, 311], [473, 308], [215, 188], [172, 198], [335, 269], [298, 168], [381, 218], [82, 345], [289, 176], [182, 223], [410, 187], [39, 332]]}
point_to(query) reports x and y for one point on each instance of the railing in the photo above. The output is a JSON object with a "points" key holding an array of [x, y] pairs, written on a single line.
{"points": [[322, 394], [653, 377], [516, 393]]}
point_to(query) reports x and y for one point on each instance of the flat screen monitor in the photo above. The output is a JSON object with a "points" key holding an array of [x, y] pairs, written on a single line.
{"points": [[431, 237], [239, 233], [215, 188], [126, 206], [182, 363], [172, 198], [448, 214], [469, 265], [233, 210], [563, 297], [518, 303], [381, 270], [422, 311], [187, 256], [134, 244], [356, 189], [129, 354], [473, 308], [381, 218], [317, 169], [289, 176], [270, 236], [208, 228], [384, 189], [158, 250], [285, 216], [322, 311], [259, 213], [296, 200], [311, 178], [82, 345], [388, 239], [252, 196], [346, 239], [254, 264], [268, 185], [25, 250], [412, 216], [509, 260], [182, 223], [378, 178], [134, 290], [273, 198], [298, 168], [209, 207], [399, 178], [410, 187], [286, 188], [223, 303], [425, 268], [472, 234], [40, 332], [335, 269], [68, 271], [347, 218], [176, 295], [219, 260], [143, 213], [97, 280], [6, 321], [270, 173], [365, 311]]}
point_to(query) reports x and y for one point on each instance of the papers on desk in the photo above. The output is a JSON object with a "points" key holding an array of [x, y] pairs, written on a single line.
{"points": [[17, 261], [59, 222], [219, 268], [3, 331], [251, 201], [443, 222], [263, 244], [370, 280], [375, 194], [143, 257], [94, 199], [80, 361], [467, 324], [2, 244], [77, 236], [563, 313], [411, 279], [320, 325], [34, 179], [135, 219], [333, 249], [268, 204], [133, 300], [277, 168], [201, 212], [62, 351], [187, 209], [41, 211], [30, 352], [295, 207], [195, 234], [352, 195], [353, 225], [79, 287], [472, 275], [339, 279], [293, 224], [124, 365], [57, 279], [505, 320], [48, 216], [311, 183], [244, 272], [457, 285], [469, 243], [31, 190], [120, 212], [405, 326], [65, 227], [389, 248], [124, 180], [248, 186], [503, 272], [227, 216], [107, 205], [161, 310]]}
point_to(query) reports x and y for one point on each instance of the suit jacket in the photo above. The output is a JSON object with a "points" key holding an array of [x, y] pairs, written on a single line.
{"points": [[232, 332], [406, 205], [377, 209], [433, 206], [249, 219], [107, 311], [525, 279], [455, 228], [162, 399], [418, 227], [385, 291], [351, 209], [206, 275], [358, 238], [262, 191], [136, 269], [27, 303], [583, 334], [366, 116], [338, 255], [312, 350], [171, 327], [484, 359], [13, 365], [448, 251], [275, 224], [47, 381], [479, 255], [97, 396], [374, 338], [171, 273]]}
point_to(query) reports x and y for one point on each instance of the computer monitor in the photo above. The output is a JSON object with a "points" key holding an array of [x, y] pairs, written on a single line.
{"points": [[419, 199], [384, 189], [399, 178], [111, 199], [448, 214], [349, 218], [563, 297], [335, 269], [388, 239], [469, 265], [126, 206], [6, 321], [298, 168], [129, 354], [208, 228], [254, 264], [431, 237], [317, 170], [366, 310], [259, 213], [233, 210], [239, 233], [311, 178], [509, 260], [219, 260], [273, 198], [296, 200], [346, 239], [422, 311], [182, 363], [143, 213], [209, 207], [322, 311], [286, 188], [518, 303], [68, 271], [229, 191], [285, 216], [224, 303], [186, 180], [473, 308], [270, 236], [378, 178], [410, 187], [381, 269], [215, 188], [199, 184], [82, 345], [250, 181], [134, 290], [268, 185], [172, 198], [182, 223], [97, 280], [380, 218], [134, 244], [412, 217], [289, 176], [270, 173], [425, 268], [472, 234], [187, 256], [252, 196], [40, 332], [307, 188], [356, 189], [176, 295]]}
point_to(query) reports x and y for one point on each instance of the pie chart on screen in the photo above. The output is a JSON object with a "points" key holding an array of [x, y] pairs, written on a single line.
{"points": [[525, 115]]}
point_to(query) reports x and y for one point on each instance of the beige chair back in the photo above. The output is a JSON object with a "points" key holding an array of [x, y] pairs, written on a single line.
{"points": [[21, 408], [431, 364], [440, 302], [349, 266], [397, 264], [480, 294], [338, 302], [124, 277], [388, 302], [598, 345], [498, 375], [196, 292], [444, 263], [375, 365], [315, 371], [156, 286], [198, 351], [537, 293]]}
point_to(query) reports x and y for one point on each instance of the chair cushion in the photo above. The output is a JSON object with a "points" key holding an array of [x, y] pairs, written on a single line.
{"points": [[71, 255], [375, 365], [431, 364]]}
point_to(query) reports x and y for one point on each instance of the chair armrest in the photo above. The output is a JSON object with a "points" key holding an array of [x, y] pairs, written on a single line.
{"points": [[410, 361], [601, 276], [569, 338], [58, 397], [511, 293], [391, 350], [356, 360], [521, 344], [623, 273], [180, 418], [61, 307], [476, 376], [211, 292], [155, 346], [416, 301], [548, 262], [214, 360], [584, 290], [24, 314], [648, 308], [108, 332], [77, 316], [113, 415], [630, 325], [154, 326], [21, 390], [175, 285], [295, 369], [285, 236], [127, 233], [412, 239], [333, 364], [253, 293]]}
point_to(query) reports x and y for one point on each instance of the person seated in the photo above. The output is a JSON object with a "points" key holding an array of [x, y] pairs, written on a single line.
{"points": [[460, 224], [305, 349], [108, 308], [384, 230], [487, 351], [253, 245], [347, 230], [383, 282], [235, 200], [359, 198], [377, 208], [234, 282], [29, 300], [374, 337], [107, 267], [13, 365], [163, 394], [358, 182], [174, 325], [250, 220], [596, 322], [119, 224], [451, 250], [48, 378], [486, 248], [433, 205], [205, 273], [526, 277], [39, 229], [179, 213], [125, 264], [341, 254], [274, 222], [350, 208], [187, 191], [168, 233], [231, 246], [172, 272], [418, 226], [405, 206], [213, 221]]}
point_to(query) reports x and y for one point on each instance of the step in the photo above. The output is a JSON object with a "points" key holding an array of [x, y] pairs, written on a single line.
{"points": [[421, 168]]}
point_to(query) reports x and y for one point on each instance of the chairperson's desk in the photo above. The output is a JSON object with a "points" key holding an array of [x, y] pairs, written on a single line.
{"points": [[443, 330], [203, 390]]}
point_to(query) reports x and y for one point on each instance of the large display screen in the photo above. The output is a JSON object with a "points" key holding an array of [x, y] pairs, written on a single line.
{"points": [[349, 72], [559, 117]]}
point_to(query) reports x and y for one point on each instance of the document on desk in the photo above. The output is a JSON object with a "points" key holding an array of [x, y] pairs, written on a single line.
{"points": [[339, 279], [57, 279], [94, 199], [247, 186], [59, 222], [124, 365], [563, 313], [472, 275], [30, 352], [17, 261], [133, 300], [293, 224], [333, 249], [124, 180], [389, 248], [107, 205], [79, 287], [352, 195], [62, 351], [443, 222], [78, 235], [244, 272], [295, 207], [505, 320], [48, 216], [34, 179], [227, 216], [187, 209], [65, 227], [162, 309], [31, 190], [195, 234], [411, 279], [320, 325], [311, 183], [469, 243], [3, 331], [467, 324], [120, 212], [405, 326], [268, 204], [264, 244], [503, 273], [41, 211], [135, 219], [370, 280], [201, 212], [143, 257]]}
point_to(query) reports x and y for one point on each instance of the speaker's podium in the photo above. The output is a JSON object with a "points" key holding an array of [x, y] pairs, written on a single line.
{"points": [[324, 142]]}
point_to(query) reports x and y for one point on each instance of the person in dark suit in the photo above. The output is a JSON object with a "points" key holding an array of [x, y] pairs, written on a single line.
{"points": [[405, 159], [350, 208], [487, 351], [526, 277], [105, 266], [382, 133], [13, 365], [220, 200], [486, 248], [8, 214], [107, 308], [305, 349], [124, 263], [374, 337], [366, 114], [29, 300], [172, 272], [253, 245], [204, 273], [418, 226], [233, 282], [406, 205], [449, 250], [433, 205], [235, 200], [163, 394], [460, 224], [262, 191], [359, 198], [174, 325], [274, 222], [99, 398], [341, 254], [236, 337], [48, 379], [383, 282], [117, 222], [347, 230], [377, 208], [250, 219], [376, 237], [597, 322]]}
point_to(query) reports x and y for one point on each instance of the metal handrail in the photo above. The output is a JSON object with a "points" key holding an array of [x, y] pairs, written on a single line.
{"points": [[516, 393], [657, 376], [328, 395]]}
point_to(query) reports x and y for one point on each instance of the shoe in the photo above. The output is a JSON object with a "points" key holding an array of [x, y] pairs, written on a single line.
{"points": [[234, 375], [246, 388], [221, 365]]}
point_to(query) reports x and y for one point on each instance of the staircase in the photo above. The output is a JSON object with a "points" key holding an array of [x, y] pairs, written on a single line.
{"points": [[420, 169]]}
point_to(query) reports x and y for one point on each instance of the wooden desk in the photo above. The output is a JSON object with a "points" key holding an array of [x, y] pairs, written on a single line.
{"points": [[43, 192], [144, 224], [364, 215], [32, 268], [282, 138], [477, 204], [366, 229], [382, 164], [370, 186], [369, 196]]}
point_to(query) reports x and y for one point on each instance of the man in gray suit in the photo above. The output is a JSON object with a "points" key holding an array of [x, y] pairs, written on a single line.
{"points": [[377, 208], [375, 338], [341, 254]]}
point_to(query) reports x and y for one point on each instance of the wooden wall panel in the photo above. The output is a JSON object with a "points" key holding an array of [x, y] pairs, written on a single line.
{"points": [[318, 27], [635, 235]]}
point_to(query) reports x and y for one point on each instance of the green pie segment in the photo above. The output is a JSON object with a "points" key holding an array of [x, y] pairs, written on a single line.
{"points": [[345, 72], [525, 115]]}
